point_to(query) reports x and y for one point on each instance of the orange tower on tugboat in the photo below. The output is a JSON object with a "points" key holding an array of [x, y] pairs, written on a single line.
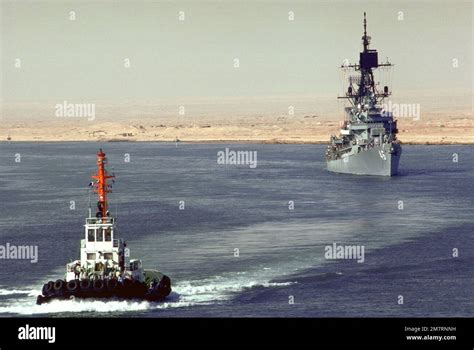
{"points": [[101, 187]]}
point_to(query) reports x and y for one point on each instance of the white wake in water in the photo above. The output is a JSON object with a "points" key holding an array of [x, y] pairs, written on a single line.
{"points": [[31, 292], [29, 307], [219, 288], [185, 294]]}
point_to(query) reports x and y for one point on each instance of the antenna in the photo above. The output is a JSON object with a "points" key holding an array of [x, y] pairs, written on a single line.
{"points": [[365, 25], [90, 211], [365, 38]]}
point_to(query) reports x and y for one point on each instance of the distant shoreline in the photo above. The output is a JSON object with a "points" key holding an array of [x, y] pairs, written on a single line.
{"points": [[278, 129], [257, 142]]}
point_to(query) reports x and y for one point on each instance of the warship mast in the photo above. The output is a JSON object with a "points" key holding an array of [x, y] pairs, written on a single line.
{"points": [[368, 60]]}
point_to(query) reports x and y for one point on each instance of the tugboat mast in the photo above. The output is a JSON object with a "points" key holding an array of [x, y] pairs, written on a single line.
{"points": [[101, 187]]}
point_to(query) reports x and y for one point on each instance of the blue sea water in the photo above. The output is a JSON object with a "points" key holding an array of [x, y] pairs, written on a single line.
{"points": [[409, 226]]}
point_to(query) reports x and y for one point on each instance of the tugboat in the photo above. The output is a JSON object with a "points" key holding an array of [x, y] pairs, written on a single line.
{"points": [[105, 269], [368, 143]]}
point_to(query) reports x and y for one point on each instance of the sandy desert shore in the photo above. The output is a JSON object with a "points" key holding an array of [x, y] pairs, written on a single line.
{"points": [[306, 129], [234, 122]]}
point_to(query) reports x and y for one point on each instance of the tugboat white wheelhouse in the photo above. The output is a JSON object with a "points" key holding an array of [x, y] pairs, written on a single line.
{"points": [[105, 269], [368, 142]]}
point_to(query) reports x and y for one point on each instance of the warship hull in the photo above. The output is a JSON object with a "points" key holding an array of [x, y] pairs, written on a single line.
{"points": [[377, 161]]}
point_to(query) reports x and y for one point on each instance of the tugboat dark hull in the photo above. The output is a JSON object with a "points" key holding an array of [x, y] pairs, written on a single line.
{"points": [[105, 289]]}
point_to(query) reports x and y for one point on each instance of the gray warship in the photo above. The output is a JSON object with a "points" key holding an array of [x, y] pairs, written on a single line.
{"points": [[367, 144]]}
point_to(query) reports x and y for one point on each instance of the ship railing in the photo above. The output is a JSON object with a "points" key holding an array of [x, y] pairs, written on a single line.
{"points": [[98, 221], [369, 124]]}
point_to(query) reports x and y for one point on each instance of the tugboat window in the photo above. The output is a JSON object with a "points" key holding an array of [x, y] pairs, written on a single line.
{"points": [[99, 266], [90, 256], [100, 235], [90, 235], [108, 256], [108, 234]]}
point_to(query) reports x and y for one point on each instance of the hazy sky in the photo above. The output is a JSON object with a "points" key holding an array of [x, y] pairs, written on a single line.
{"points": [[84, 59]]}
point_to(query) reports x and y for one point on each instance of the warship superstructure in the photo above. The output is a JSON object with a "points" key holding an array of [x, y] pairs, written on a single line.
{"points": [[105, 269], [367, 144]]}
